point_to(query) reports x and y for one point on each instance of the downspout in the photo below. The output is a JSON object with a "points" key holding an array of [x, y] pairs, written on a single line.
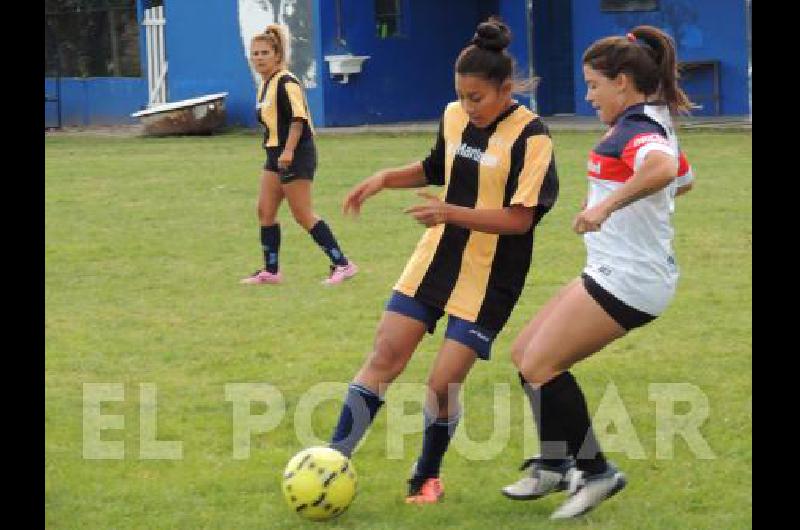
{"points": [[529, 33]]}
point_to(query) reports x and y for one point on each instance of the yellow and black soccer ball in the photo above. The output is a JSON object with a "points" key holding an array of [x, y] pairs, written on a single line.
{"points": [[319, 483]]}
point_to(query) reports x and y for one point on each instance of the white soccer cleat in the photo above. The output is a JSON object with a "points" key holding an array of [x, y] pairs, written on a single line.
{"points": [[541, 480], [587, 492]]}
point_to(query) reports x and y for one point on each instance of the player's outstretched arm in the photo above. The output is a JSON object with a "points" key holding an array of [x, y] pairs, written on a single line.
{"points": [[410, 176]]}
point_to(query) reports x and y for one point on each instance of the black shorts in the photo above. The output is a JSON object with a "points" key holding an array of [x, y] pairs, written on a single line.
{"points": [[626, 316], [303, 166]]}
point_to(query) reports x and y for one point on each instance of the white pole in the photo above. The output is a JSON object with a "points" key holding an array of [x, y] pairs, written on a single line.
{"points": [[162, 54], [151, 74]]}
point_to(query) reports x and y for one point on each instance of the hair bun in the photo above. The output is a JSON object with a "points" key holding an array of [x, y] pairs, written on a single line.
{"points": [[492, 35]]}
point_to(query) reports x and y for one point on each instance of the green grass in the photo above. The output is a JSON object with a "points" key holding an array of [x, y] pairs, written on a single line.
{"points": [[147, 238]]}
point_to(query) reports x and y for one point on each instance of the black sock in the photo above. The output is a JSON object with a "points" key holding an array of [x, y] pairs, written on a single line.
{"points": [[552, 438], [359, 409], [569, 404], [271, 244], [437, 437], [324, 237]]}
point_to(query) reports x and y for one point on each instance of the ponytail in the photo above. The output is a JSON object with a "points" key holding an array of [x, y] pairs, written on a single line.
{"points": [[665, 57]]}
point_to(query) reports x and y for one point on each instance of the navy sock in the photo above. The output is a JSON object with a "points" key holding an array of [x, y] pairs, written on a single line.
{"points": [[434, 444], [552, 438], [324, 238], [271, 244], [359, 409], [565, 398]]}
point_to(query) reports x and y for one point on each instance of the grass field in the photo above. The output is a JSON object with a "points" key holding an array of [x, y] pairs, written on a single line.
{"points": [[146, 240]]}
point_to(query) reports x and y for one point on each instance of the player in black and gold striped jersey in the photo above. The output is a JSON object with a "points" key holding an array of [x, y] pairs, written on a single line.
{"points": [[291, 160], [494, 159]]}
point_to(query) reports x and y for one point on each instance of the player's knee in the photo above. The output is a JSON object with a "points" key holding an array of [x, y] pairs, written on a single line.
{"points": [[517, 353], [539, 373], [442, 396], [386, 357]]}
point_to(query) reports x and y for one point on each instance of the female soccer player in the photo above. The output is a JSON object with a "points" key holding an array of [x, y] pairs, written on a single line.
{"points": [[494, 158], [291, 160], [630, 274]]}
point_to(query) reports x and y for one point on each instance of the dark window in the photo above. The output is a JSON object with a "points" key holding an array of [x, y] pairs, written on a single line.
{"points": [[91, 38], [628, 5], [387, 18]]}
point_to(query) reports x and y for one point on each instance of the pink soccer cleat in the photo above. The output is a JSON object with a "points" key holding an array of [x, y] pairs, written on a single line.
{"points": [[340, 273], [263, 276]]}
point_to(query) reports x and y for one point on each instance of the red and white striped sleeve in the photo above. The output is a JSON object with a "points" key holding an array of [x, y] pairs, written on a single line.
{"points": [[639, 146]]}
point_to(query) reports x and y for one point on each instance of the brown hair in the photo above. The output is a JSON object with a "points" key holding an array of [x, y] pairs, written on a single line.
{"points": [[486, 55], [275, 36], [647, 55]]}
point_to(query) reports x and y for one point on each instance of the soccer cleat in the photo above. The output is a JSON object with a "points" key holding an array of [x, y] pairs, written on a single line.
{"points": [[263, 276], [586, 492], [541, 479], [424, 490], [340, 273]]}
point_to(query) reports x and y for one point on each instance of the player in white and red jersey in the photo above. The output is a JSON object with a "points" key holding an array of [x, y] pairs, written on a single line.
{"points": [[635, 172], [631, 256]]}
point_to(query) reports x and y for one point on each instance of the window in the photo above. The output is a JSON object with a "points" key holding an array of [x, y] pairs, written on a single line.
{"points": [[628, 5], [387, 18], [91, 38]]}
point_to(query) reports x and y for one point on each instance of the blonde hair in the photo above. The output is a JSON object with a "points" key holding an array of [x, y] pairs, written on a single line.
{"points": [[277, 37]]}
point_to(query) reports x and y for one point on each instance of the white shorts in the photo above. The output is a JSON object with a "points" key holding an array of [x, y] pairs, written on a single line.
{"points": [[650, 294]]}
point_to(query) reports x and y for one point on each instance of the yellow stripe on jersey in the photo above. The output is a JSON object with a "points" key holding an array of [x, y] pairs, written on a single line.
{"points": [[538, 154], [296, 100]]}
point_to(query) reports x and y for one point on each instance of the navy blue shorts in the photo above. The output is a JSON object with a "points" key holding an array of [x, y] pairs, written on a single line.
{"points": [[462, 331], [303, 166]]}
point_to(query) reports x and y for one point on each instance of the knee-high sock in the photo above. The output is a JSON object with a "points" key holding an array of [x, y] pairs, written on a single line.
{"points": [[552, 438], [438, 432], [359, 409], [271, 245], [323, 236], [562, 397]]}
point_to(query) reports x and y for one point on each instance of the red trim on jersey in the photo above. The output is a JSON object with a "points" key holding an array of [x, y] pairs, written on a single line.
{"points": [[608, 168], [683, 165], [637, 142]]}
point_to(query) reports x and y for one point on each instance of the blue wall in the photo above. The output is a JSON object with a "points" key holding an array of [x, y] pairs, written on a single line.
{"points": [[408, 77], [96, 100], [711, 29], [205, 55]]}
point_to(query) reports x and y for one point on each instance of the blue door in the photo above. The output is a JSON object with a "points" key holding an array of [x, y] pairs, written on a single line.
{"points": [[552, 56]]}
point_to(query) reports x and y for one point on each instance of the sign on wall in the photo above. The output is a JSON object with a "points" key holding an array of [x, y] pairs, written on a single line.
{"points": [[296, 15]]}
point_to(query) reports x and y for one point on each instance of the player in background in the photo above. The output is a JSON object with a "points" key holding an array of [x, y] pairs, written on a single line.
{"points": [[494, 158], [630, 274], [291, 160]]}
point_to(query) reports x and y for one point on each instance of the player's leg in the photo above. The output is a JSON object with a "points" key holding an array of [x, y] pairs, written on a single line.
{"points": [[400, 330], [270, 197], [297, 188], [441, 415], [546, 472], [464, 343], [576, 327]]}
